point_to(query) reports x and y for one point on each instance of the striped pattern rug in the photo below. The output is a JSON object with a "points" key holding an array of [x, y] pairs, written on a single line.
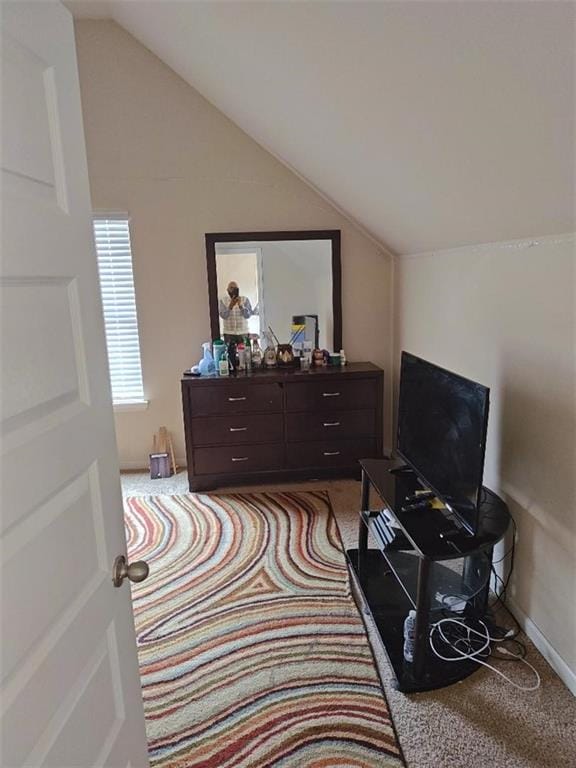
{"points": [[252, 652]]}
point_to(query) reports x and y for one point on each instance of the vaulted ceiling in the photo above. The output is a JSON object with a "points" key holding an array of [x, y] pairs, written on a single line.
{"points": [[433, 124]]}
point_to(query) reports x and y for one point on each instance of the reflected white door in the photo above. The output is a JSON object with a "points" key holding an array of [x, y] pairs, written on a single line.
{"points": [[70, 691]]}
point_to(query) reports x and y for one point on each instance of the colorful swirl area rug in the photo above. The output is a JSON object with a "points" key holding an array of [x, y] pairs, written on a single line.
{"points": [[252, 651]]}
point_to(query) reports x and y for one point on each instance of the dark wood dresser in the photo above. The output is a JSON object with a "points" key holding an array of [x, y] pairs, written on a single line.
{"points": [[273, 425]]}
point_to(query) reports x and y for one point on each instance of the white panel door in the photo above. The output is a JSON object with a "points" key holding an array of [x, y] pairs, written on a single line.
{"points": [[70, 691]]}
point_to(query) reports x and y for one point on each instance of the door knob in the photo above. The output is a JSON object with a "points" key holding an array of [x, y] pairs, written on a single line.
{"points": [[135, 571]]}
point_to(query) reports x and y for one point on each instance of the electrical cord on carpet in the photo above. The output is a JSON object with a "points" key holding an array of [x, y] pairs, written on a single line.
{"points": [[465, 642]]}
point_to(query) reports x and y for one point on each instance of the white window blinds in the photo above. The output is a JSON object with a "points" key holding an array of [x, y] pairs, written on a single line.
{"points": [[112, 237]]}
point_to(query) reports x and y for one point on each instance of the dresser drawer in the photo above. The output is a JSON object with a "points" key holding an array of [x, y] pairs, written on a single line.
{"points": [[329, 453], [330, 425], [234, 397], [226, 459], [331, 395], [231, 430]]}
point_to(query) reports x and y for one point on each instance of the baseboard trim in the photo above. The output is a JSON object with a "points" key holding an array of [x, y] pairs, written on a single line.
{"points": [[143, 466], [553, 658]]}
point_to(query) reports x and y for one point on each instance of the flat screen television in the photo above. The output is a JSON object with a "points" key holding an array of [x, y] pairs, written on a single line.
{"points": [[442, 424]]}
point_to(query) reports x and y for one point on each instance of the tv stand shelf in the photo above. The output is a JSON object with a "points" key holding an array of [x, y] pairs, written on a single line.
{"points": [[423, 560], [434, 533]]}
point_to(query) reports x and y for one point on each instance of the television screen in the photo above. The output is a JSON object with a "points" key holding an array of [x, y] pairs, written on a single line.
{"points": [[442, 422]]}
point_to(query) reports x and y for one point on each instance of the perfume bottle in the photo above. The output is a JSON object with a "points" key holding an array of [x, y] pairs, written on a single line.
{"points": [[248, 355], [232, 357], [241, 350], [270, 356], [256, 354]]}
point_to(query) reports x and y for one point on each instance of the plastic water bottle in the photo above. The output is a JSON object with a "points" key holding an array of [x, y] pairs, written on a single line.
{"points": [[409, 636]]}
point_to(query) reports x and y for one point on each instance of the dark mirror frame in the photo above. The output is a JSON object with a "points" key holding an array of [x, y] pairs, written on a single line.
{"points": [[313, 234]]}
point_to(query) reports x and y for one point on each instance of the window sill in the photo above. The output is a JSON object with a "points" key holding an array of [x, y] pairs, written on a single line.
{"points": [[134, 405]]}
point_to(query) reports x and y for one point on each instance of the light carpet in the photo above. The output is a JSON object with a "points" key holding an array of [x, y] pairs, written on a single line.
{"points": [[252, 651]]}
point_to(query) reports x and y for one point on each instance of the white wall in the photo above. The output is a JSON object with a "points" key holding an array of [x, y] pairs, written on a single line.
{"points": [[160, 151], [503, 314], [297, 279]]}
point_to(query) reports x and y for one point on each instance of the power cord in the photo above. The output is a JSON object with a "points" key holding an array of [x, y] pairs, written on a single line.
{"points": [[474, 644], [500, 585], [511, 552]]}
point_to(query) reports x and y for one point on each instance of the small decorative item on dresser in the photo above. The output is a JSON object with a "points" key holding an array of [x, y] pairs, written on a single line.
{"points": [[317, 358], [256, 354], [334, 359], [285, 356], [270, 355]]}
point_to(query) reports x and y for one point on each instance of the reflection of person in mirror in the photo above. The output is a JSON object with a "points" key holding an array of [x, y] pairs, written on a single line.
{"points": [[235, 311]]}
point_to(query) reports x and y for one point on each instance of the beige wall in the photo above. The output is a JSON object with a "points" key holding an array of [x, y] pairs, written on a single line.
{"points": [[297, 281], [503, 314], [160, 151]]}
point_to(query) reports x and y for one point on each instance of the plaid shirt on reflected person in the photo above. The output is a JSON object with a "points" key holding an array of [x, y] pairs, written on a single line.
{"points": [[235, 319]]}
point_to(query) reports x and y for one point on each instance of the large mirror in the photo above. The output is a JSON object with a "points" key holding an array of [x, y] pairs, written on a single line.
{"points": [[282, 284]]}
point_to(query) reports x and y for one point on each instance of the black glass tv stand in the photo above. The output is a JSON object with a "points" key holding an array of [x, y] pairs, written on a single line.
{"points": [[424, 560]]}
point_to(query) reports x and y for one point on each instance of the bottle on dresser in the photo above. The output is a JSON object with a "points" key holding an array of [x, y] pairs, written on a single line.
{"points": [[256, 354], [241, 350], [247, 355]]}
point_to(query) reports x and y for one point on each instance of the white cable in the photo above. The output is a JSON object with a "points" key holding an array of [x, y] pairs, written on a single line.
{"points": [[473, 654], [461, 655], [484, 635], [520, 687]]}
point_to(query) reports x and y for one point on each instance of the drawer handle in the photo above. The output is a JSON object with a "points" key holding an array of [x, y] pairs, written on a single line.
{"points": [[331, 453], [238, 429], [330, 394], [236, 399], [331, 423], [239, 458]]}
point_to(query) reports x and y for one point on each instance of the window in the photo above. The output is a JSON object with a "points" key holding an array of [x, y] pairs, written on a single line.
{"points": [[112, 237]]}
